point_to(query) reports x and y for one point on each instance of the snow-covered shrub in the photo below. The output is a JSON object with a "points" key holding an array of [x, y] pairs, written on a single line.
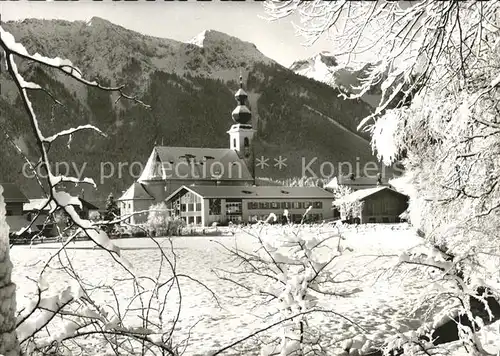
{"points": [[349, 209], [289, 267], [94, 215], [161, 223]]}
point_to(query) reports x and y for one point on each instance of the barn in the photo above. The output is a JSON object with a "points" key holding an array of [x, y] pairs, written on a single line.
{"points": [[376, 205]]}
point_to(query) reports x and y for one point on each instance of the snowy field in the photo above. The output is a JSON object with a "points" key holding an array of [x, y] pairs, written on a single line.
{"points": [[382, 305]]}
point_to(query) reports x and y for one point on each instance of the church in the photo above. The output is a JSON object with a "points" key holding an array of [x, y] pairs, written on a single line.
{"points": [[172, 174]]}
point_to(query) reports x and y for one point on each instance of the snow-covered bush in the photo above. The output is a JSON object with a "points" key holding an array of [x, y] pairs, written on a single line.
{"points": [[94, 215], [289, 267], [349, 209], [161, 223]]}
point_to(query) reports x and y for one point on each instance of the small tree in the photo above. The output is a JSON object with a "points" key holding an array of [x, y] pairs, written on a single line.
{"points": [[290, 267], [158, 218], [112, 211], [94, 216], [349, 208], [160, 222]]}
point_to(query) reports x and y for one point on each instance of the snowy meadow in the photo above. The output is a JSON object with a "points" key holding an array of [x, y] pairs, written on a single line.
{"points": [[372, 300]]}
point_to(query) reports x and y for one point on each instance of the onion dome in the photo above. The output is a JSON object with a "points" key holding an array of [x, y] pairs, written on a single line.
{"points": [[241, 114]]}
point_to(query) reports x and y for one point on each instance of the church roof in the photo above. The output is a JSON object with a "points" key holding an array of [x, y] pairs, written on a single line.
{"points": [[195, 163], [136, 192]]}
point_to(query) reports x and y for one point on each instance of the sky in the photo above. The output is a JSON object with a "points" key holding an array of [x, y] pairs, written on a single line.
{"points": [[180, 21]]}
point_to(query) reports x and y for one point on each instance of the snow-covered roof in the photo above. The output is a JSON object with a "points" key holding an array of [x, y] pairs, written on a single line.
{"points": [[266, 192], [356, 182], [362, 194], [136, 192], [173, 161], [38, 204]]}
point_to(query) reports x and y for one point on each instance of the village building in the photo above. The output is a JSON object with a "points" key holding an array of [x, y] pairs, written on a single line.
{"points": [[22, 212], [205, 205], [378, 205], [14, 199], [173, 173], [38, 210]]}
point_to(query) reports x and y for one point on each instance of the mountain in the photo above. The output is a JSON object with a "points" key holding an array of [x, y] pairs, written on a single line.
{"points": [[325, 68], [190, 87]]}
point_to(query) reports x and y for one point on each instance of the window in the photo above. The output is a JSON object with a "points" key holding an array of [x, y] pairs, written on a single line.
{"points": [[246, 142], [198, 206], [275, 205], [372, 220], [253, 205], [234, 143], [234, 218], [183, 207], [286, 205], [233, 208], [190, 207], [190, 220], [9, 212], [318, 205], [198, 220], [385, 220]]}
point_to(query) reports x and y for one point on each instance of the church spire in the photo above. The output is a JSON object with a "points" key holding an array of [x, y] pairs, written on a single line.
{"points": [[241, 132], [241, 114]]}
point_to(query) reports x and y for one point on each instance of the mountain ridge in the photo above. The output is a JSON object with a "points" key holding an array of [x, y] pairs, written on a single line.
{"points": [[191, 91], [324, 67]]}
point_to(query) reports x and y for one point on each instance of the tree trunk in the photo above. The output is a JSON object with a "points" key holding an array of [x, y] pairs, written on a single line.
{"points": [[9, 345]]}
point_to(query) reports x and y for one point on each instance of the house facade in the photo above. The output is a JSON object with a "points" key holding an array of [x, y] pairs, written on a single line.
{"points": [[205, 205], [379, 205], [38, 211], [14, 199], [170, 168]]}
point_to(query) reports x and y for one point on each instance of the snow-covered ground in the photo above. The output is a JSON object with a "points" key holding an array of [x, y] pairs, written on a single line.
{"points": [[382, 306]]}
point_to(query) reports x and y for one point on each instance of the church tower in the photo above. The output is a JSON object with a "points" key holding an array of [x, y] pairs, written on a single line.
{"points": [[241, 132]]}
